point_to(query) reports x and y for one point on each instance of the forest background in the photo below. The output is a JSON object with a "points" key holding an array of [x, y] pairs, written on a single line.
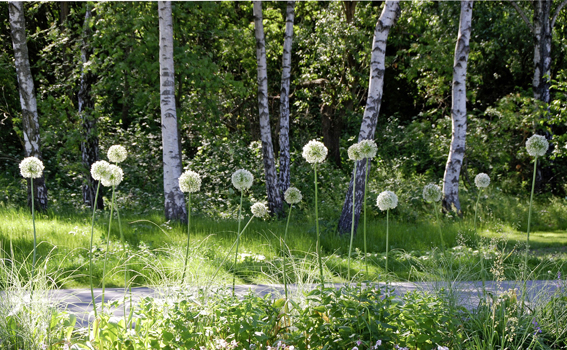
{"points": [[216, 97]]}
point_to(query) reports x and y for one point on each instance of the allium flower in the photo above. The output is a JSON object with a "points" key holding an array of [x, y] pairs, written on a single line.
{"points": [[387, 200], [259, 210], [537, 145], [314, 152], [117, 154], [31, 167], [242, 179], [354, 152], [115, 176], [190, 181], [431, 193], [482, 180], [292, 195], [368, 148], [100, 170]]}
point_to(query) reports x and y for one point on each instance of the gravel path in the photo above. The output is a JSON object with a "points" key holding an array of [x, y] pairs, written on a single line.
{"points": [[78, 301]]}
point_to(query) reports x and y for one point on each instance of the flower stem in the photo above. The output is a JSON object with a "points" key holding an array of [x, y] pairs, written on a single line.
{"points": [[528, 237], [439, 224], [34, 235], [237, 242], [125, 265], [91, 251], [365, 251], [352, 222], [188, 231], [387, 236], [107, 248], [482, 276], [317, 230], [284, 252]]}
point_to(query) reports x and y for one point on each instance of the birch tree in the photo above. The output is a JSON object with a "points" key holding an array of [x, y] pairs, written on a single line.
{"points": [[388, 17], [542, 31], [273, 192], [89, 138], [30, 118], [174, 200], [284, 175], [458, 111]]}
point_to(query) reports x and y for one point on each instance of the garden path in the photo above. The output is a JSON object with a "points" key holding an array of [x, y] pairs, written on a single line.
{"points": [[467, 294]]}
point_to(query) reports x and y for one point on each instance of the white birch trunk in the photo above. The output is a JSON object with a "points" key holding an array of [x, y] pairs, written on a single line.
{"points": [[542, 50], [89, 141], [274, 197], [458, 111], [388, 18], [30, 119], [284, 175], [172, 168]]}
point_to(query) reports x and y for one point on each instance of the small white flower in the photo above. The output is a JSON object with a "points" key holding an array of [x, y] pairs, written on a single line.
{"points": [[117, 154], [190, 181], [242, 179], [537, 145], [259, 210], [31, 167], [432, 193], [314, 152], [482, 180], [368, 148], [115, 176], [100, 170], [439, 347], [354, 152], [387, 200], [292, 195]]}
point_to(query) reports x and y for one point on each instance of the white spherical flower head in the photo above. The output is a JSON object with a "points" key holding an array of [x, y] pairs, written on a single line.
{"points": [[432, 193], [354, 152], [537, 145], [292, 195], [387, 200], [31, 168], [100, 170], [314, 152], [190, 181], [368, 148], [482, 180], [242, 179], [117, 154], [114, 177], [259, 210]]}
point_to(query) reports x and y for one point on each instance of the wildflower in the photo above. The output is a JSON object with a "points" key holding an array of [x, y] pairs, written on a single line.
{"points": [[117, 154], [378, 343], [439, 347], [368, 148], [100, 170], [259, 210], [190, 181], [537, 145], [387, 200], [115, 176], [292, 195], [31, 167], [354, 152], [242, 179], [355, 348], [431, 193], [482, 180], [358, 342], [314, 152]]}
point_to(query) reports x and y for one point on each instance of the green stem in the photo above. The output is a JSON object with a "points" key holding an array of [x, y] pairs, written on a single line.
{"points": [[482, 274], [123, 241], [365, 251], [34, 235], [317, 230], [284, 252], [439, 224], [188, 231], [237, 241], [107, 248], [387, 236], [528, 238], [352, 222], [91, 250]]}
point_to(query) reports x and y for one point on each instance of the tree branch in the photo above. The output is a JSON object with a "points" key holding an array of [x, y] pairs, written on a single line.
{"points": [[522, 14], [557, 10]]}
